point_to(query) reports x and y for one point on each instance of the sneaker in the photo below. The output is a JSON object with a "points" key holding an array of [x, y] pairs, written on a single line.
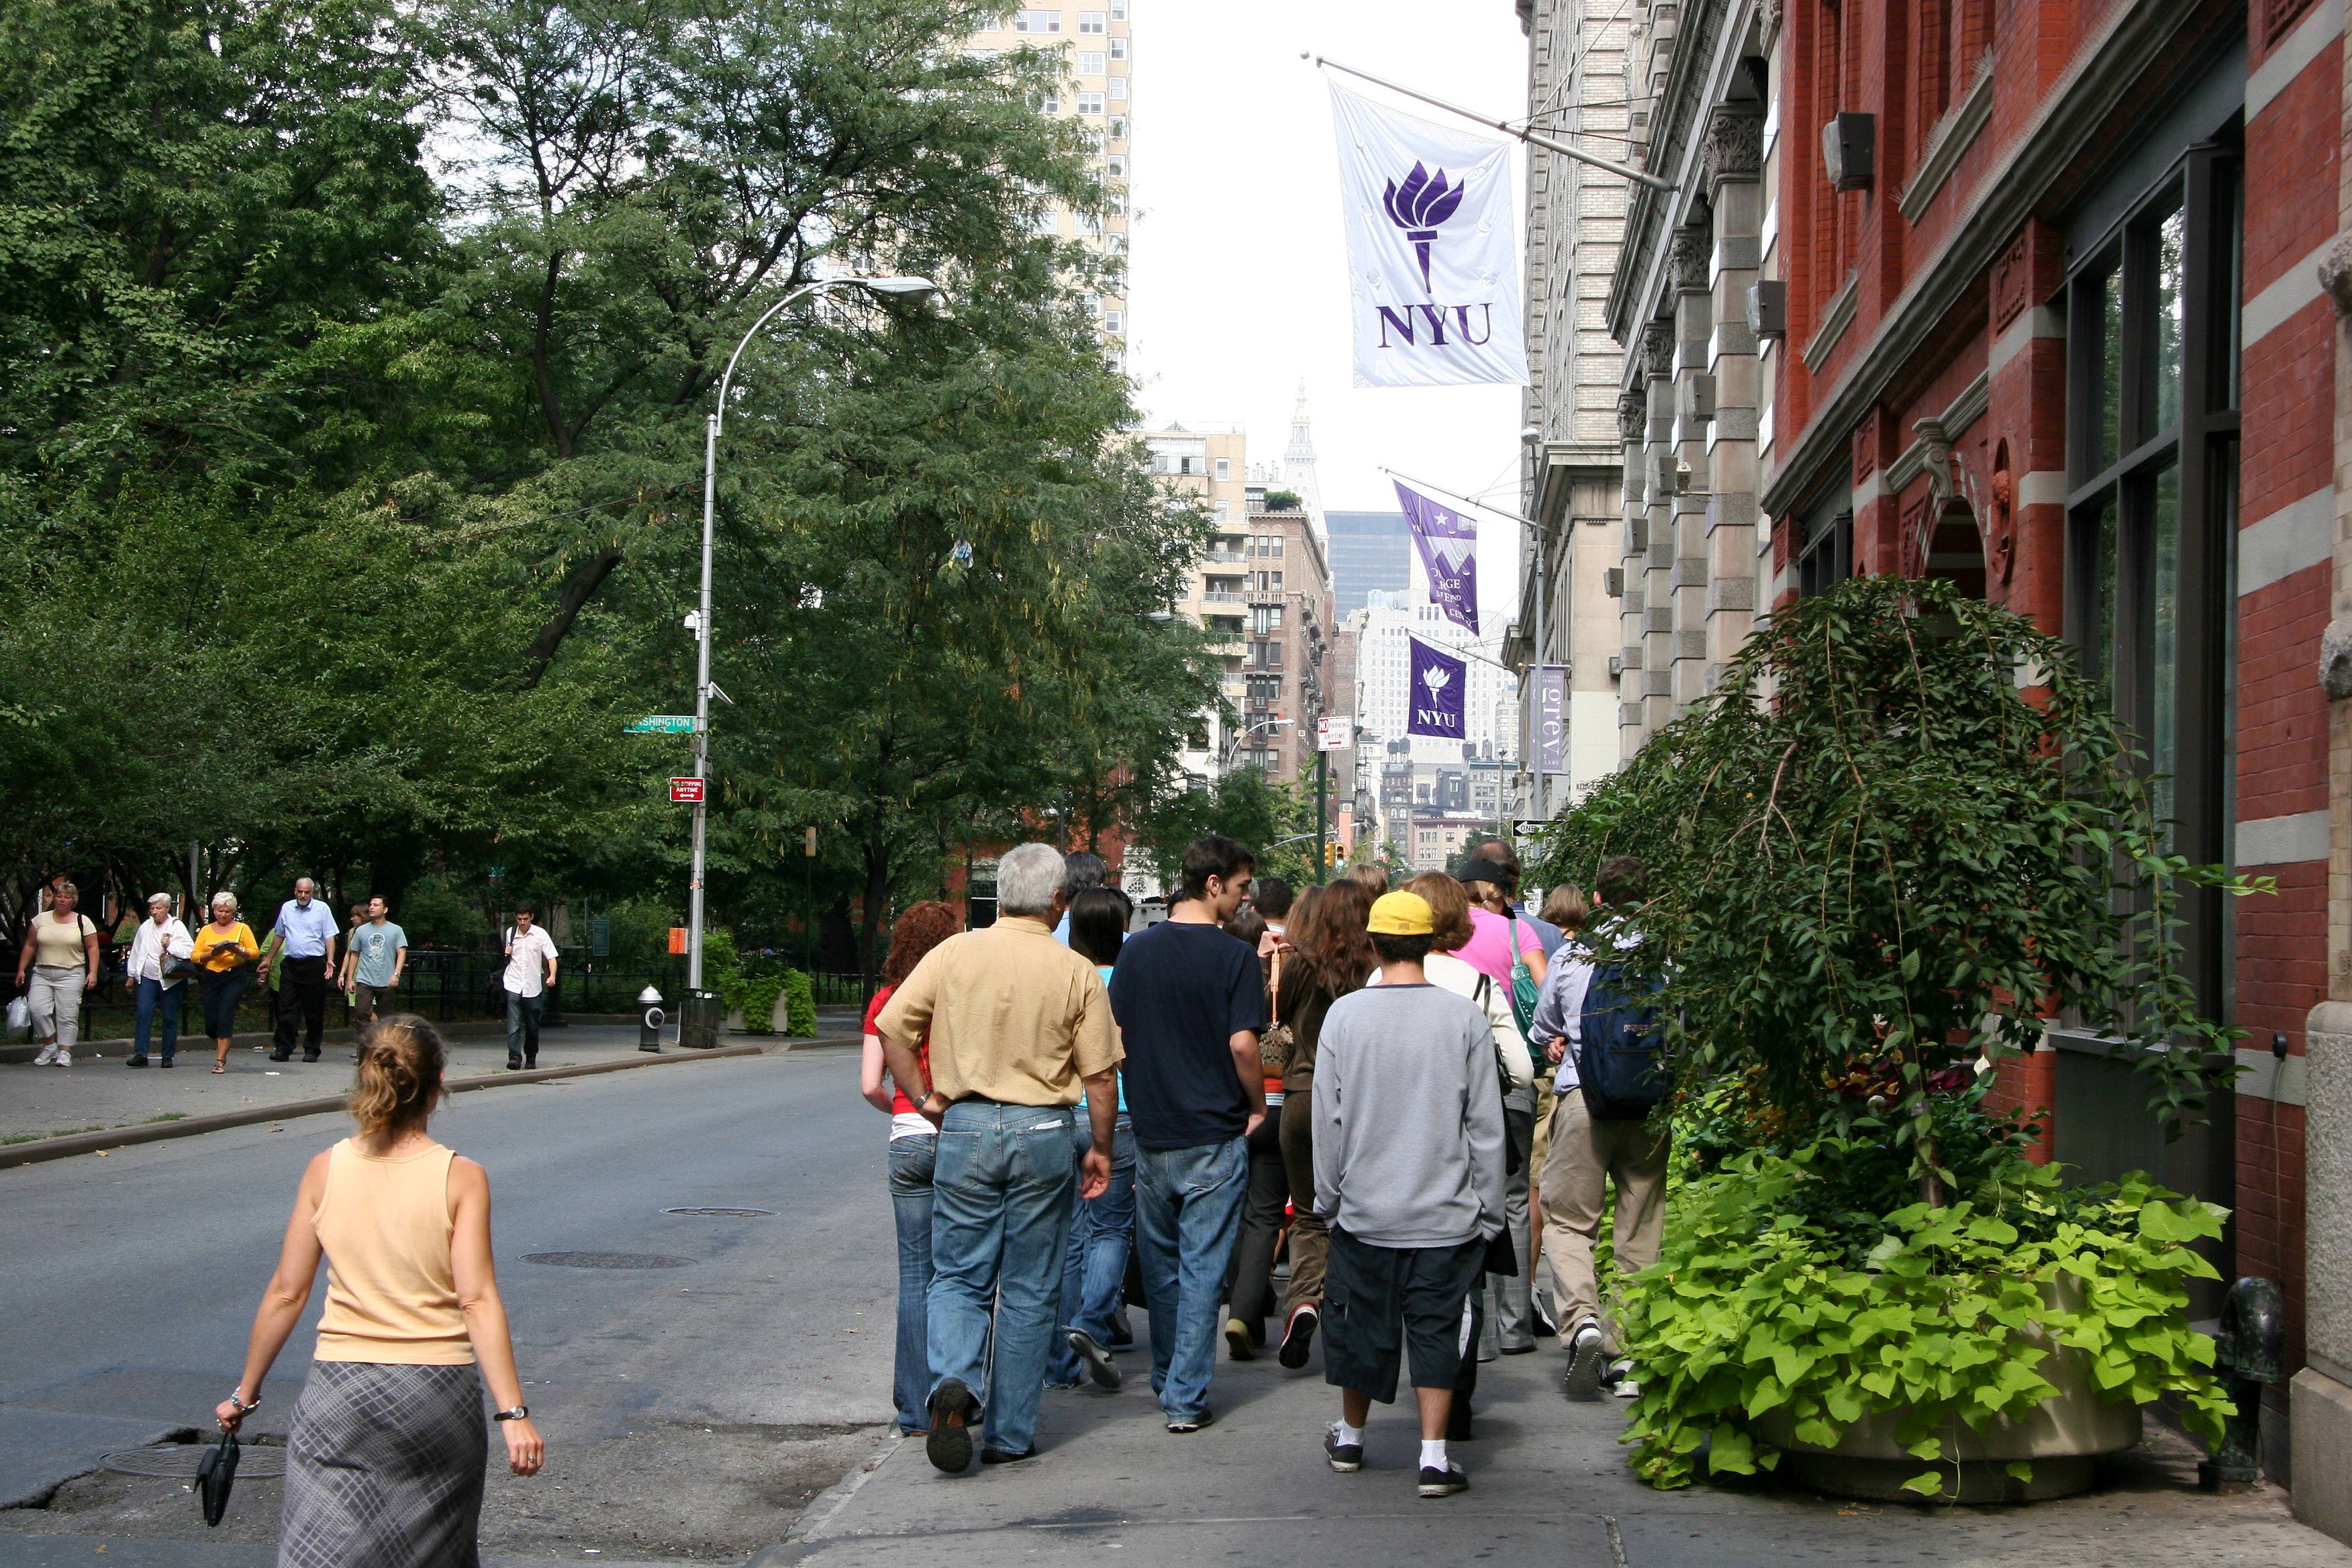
{"points": [[1240, 1343], [49, 1053], [65, 1058], [1122, 1332], [1585, 1361], [1191, 1423], [1621, 1381], [1345, 1458], [1097, 1359], [165, 1062], [1299, 1335], [310, 1056], [1435, 1482], [948, 1442], [134, 1061], [1003, 1456], [514, 1064]]}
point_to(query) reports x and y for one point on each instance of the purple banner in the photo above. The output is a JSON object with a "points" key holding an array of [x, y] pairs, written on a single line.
{"points": [[1551, 719], [1449, 554], [1439, 693]]}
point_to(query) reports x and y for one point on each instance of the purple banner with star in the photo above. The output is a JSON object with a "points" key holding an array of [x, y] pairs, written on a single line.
{"points": [[1439, 693], [1448, 542]]}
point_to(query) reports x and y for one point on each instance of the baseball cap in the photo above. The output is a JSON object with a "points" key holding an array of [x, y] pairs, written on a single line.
{"points": [[1400, 914]]}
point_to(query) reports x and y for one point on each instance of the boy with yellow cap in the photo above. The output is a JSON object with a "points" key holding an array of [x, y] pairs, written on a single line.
{"points": [[1409, 1176]]}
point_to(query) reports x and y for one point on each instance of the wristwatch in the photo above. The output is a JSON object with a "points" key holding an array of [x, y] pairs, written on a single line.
{"points": [[520, 1413]]}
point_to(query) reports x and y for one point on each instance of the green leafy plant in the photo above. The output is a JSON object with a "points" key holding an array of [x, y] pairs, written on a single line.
{"points": [[757, 998], [800, 1004], [1875, 852], [1776, 1293]]}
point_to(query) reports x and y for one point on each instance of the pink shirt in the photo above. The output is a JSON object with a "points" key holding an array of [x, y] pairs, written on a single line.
{"points": [[1488, 951]]}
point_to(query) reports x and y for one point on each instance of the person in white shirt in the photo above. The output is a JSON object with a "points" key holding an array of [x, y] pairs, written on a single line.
{"points": [[159, 939], [531, 970]]}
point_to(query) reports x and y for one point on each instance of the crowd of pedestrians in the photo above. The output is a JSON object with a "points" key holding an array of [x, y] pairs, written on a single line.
{"points": [[1380, 1085]]}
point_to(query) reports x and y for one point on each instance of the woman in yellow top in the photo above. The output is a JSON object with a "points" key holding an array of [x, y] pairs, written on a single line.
{"points": [[385, 1461], [225, 948], [60, 958]]}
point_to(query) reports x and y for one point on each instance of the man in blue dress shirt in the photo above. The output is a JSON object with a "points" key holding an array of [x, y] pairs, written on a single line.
{"points": [[308, 929]]}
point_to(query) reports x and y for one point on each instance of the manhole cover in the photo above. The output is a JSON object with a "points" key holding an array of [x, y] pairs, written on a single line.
{"points": [[605, 1260], [178, 1461], [725, 1213]]}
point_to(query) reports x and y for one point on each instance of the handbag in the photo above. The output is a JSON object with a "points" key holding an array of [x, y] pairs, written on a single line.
{"points": [[215, 1474], [1275, 1045], [1525, 992], [178, 968]]}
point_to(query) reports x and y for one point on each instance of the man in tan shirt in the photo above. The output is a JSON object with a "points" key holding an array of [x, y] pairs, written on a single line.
{"points": [[1019, 1025]]}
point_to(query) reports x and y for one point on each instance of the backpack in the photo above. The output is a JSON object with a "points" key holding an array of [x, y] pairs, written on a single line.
{"points": [[1525, 991], [1621, 1066]]}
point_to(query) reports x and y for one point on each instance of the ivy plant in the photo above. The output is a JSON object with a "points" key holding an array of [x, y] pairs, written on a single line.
{"points": [[1906, 829], [1775, 1293]]}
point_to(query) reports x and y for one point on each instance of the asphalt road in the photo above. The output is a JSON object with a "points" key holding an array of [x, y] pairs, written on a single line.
{"points": [[690, 1408]]}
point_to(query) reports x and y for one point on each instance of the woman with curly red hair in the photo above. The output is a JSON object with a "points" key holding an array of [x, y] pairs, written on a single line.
{"points": [[914, 1146]]}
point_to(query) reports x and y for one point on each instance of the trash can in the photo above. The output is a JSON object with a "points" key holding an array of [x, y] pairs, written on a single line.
{"points": [[699, 1019], [650, 1018]]}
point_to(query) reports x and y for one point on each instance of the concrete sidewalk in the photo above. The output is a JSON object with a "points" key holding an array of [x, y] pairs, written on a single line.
{"points": [[1548, 1486], [99, 1093]]}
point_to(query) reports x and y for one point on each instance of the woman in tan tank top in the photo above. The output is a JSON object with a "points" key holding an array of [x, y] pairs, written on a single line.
{"points": [[385, 1460]]}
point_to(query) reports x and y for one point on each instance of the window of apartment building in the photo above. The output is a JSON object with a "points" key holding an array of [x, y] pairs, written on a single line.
{"points": [[1119, 10], [1119, 127], [1118, 89], [1266, 618], [1037, 21], [1049, 103], [1090, 103], [1115, 362], [1276, 583], [1119, 48], [1113, 321], [1116, 165], [1224, 469], [2152, 497], [1091, 64], [1224, 511], [1955, 37], [980, 55], [1116, 244], [1092, 22]]}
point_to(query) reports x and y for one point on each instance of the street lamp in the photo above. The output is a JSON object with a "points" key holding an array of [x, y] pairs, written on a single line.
{"points": [[916, 288], [1234, 744]]}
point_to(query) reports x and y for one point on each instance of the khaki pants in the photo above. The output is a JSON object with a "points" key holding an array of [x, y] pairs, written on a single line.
{"points": [[1583, 1154], [1311, 1243]]}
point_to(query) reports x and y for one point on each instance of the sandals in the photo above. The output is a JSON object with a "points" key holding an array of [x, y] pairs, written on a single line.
{"points": [[220, 1067]]}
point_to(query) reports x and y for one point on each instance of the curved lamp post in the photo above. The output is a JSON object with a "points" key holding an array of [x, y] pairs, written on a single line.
{"points": [[900, 288]]}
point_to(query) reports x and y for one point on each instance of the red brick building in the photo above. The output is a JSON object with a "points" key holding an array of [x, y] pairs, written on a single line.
{"points": [[2030, 293]]}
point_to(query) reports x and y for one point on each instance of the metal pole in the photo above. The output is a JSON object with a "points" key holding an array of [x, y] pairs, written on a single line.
{"points": [[702, 703], [1322, 785], [1505, 126], [1536, 697]]}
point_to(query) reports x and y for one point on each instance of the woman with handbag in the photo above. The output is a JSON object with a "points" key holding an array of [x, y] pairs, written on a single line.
{"points": [[1331, 955], [386, 1457], [158, 968], [224, 950], [60, 958]]}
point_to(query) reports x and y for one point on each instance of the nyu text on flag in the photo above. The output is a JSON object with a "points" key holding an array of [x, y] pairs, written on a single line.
{"points": [[1448, 542], [1439, 694], [1432, 266]]}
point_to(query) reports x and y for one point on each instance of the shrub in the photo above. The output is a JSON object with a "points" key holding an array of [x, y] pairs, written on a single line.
{"points": [[800, 1004]]}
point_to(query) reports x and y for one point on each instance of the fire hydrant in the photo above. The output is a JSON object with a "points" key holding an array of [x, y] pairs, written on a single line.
{"points": [[650, 1018], [2247, 1348]]}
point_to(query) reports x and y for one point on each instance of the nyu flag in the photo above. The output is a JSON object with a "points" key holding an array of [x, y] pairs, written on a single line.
{"points": [[1449, 554], [1439, 693], [1432, 266]]}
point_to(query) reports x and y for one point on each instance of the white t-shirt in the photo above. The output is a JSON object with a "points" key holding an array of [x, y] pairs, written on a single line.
{"points": [[528, 955]]}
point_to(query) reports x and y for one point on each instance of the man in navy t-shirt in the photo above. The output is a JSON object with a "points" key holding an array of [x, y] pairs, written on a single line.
{"points": [[1190, 1002]]}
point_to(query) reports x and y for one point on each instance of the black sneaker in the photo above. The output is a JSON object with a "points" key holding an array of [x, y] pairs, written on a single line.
{"points": [[1097, 1359], [1586, 1361], [514, 1064], [166, 1062], [949, 1444], [1000, 1456], [1191, 1423], [310, 1056], [1435, 1482], [134, 1061], [1299, 1335], [1345, 1458], [278, 1057]]}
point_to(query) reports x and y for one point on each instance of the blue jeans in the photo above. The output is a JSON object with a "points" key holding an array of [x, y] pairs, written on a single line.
{"points": [[151, 994], [522, 1025], [1095, 1267], [910, 1204], [1188, 1207], [1000, 1223]]}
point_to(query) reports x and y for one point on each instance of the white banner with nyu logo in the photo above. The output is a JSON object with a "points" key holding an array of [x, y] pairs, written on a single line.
{"points": [[1432, 262]]}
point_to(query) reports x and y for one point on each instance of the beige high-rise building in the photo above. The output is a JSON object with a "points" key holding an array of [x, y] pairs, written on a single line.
{"points": [[1209, 463], [1099, 93]]}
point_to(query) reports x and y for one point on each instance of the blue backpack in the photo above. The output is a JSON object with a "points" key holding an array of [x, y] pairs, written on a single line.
{"points": [[1621, 1065]]}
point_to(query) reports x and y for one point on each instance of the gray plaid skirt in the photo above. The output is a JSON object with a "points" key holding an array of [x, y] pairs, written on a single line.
{"points": [[385, 1468]]}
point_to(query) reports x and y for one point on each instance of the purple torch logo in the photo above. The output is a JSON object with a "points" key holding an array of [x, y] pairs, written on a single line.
{"points": [[1420, 206]]}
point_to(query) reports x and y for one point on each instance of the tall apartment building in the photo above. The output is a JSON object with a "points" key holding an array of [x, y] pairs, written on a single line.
{"points": [[2035, 296], [1288, 672], [1210, 464], [1099, 94]]}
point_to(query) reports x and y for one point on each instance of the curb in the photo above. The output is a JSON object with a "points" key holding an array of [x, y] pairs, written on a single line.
{"points": [[74, 1143]]}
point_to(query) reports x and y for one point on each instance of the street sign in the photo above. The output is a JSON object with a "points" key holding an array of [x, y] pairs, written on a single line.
{"points": [[808, 845], [599, 938], [662, 724], [1334, 732], [687, 791], [1527, 825]]}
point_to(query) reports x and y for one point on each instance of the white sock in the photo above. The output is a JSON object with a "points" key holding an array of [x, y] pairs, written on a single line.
{"points": [[1432, 1452], [1350, 1437]]}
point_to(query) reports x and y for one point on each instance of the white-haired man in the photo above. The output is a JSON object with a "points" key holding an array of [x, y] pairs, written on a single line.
{"points": [[1018, 1025]]}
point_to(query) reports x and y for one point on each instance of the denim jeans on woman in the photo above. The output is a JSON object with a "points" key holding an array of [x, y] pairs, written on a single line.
{"points": [[1000, 1223], [1187, 1205], [153, 994], [910, 1204], [1094, 1270]]}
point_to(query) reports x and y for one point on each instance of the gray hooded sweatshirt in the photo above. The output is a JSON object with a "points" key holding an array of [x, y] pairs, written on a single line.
{"points": [[1408, 1119]]}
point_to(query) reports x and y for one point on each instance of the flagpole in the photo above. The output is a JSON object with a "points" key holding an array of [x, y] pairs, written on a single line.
{"points": [[1530, 137]]}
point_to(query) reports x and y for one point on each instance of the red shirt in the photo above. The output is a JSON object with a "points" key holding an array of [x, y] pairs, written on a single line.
{"points": [[899, 1103]]}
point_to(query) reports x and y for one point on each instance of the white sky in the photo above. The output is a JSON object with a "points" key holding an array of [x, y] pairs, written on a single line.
{"points": [[1237, 280]]}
